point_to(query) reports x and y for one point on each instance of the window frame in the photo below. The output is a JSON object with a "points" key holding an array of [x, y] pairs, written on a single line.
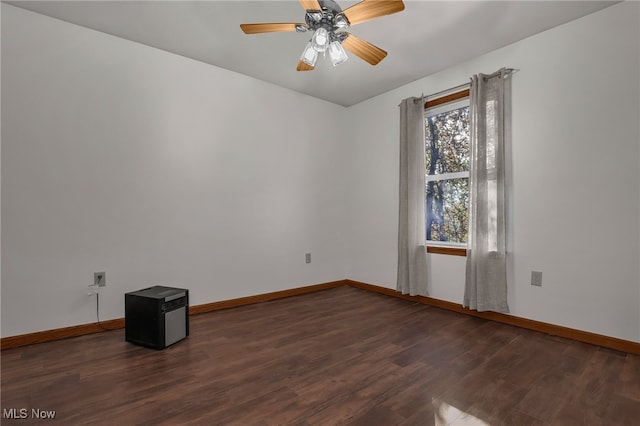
{"points": [[439, 247]]}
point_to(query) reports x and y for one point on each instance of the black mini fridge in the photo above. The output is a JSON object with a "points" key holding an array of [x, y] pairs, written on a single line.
{"points": [[156, 317]]}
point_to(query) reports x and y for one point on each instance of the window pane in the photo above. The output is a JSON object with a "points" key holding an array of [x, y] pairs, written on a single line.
{"points": [[447, 142], [447, 150], [446, 210]]}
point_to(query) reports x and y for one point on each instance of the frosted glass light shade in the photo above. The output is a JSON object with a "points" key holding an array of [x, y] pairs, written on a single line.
{"points": [[309, 55], [320, 40], [337, 53]]}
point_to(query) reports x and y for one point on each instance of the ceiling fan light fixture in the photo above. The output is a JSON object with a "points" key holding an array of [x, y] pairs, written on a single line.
{"points": [[337, 53], [328, 23], [309, 55], [320, 40]]}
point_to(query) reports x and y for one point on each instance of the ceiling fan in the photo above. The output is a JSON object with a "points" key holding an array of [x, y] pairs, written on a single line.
{"points": [[328, 23]]}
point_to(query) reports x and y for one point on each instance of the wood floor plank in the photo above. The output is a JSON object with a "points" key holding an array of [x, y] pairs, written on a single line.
{"points": [[629, 378], [337, 356]]}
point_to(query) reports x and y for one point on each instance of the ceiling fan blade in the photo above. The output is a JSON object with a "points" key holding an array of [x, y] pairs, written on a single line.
{"points": [[367, 10], [304, 67], [364, 49], [310, 4], [269, 27]]}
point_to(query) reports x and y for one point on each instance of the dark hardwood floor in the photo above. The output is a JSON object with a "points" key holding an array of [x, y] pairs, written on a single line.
{"points": [[339, 356]]}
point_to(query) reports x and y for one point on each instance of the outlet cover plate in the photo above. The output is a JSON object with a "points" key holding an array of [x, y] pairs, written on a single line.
{"points": [[100, 279], [536, 278]]}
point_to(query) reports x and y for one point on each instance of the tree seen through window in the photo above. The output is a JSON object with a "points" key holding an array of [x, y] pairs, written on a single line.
{"points": [[447, 175]]}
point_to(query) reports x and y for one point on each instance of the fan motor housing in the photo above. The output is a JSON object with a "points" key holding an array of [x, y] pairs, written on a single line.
{"points": [[327, 19], [330, 6]]}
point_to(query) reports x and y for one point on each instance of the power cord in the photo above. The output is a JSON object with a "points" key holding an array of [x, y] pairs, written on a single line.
{"points": [[97, 293]]}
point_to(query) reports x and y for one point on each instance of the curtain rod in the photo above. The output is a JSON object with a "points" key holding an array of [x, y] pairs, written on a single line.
{"points": [[508, 71], [451, 89], [465, 85]]}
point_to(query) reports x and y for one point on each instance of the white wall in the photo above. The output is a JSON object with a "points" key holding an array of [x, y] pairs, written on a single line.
{"points": [[157, 169], [576, 176]]}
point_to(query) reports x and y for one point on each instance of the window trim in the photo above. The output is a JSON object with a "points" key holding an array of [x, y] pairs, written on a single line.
{"points": [[433, 247], [451, 251], [448, 98]]}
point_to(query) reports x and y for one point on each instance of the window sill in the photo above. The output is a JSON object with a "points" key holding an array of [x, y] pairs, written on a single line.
{"points": [[451, 251]]}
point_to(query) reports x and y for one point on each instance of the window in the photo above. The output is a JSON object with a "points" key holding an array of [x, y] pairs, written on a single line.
{"points": [[447, 170]]}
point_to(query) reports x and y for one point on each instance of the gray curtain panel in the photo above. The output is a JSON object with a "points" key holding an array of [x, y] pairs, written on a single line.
{"points": [[486, 269], [412, 256]]}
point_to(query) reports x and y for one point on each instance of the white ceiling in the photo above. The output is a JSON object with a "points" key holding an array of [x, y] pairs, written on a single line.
{"points": [[427, 37]]}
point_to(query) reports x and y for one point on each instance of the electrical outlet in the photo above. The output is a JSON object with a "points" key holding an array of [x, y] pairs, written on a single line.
{"points": [[307, 258], [100, 279], [536, 278]]}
